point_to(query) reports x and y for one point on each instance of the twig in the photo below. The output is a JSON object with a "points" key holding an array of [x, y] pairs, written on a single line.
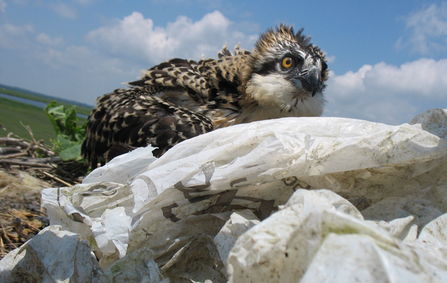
{"points": [[46, 160], [23, 163], [7, 238], [37, 230], [29, 132], [3, 251], [13, 141], [24, 222], [9, 150], [4, 189], [57, 179], [14, 155]]}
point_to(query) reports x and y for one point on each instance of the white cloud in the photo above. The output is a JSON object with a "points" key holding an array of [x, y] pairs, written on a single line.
{"points": [[13, 36], [17, 30], [137, 37], [47, 40], [386, 93], [78, 72], [3, 6], [428, 30], [330, 58], [64, 10], [86, 71], [381, 92], [123, 48]]}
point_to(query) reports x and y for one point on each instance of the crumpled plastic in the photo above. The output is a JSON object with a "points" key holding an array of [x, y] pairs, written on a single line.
{"points": [[320, 237], [310, 199]]}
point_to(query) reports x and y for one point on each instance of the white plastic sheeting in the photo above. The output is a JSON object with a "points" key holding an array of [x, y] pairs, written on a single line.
{"points": [[358, 202]]}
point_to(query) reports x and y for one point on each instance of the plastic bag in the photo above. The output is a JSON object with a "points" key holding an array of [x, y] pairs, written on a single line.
{"points": [[190, 207]]}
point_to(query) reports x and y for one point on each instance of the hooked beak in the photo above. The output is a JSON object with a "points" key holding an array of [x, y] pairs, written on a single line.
{"points": [[310, 79]]}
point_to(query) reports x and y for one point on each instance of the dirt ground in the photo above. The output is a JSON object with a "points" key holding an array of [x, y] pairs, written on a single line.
{"points": [[26, 168], [20, 214]]}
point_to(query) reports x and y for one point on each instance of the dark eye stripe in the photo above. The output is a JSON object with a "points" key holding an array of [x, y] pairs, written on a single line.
{"points": [[267, 68]]}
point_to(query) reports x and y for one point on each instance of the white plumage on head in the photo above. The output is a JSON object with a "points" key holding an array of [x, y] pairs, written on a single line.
{"points": [[284, 76]]}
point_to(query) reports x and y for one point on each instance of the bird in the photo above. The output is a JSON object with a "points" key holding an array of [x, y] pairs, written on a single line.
{"points": [[283, 76]]}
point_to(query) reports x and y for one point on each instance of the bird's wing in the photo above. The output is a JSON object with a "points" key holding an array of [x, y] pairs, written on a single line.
{"points": [[173, 101], [225, 75], [130, 118], [178, 74], [208, 82]]}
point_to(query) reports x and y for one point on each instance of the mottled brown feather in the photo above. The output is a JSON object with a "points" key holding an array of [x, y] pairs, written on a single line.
{"points": [[179, 99]]}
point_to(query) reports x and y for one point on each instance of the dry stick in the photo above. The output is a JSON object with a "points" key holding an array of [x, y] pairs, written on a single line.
{"points": [[6, 237], [24, 223], [29, 132], [35, 229], [34, 144], [3, 251], [14, 155], [4, 189], [26, 145], [2, 245], [42, 160], [9, 150], [14, 141], [57, 179], [24, 163]]}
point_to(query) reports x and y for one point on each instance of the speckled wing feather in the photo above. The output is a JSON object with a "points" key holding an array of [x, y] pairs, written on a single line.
{"points": [[173, 101], [178, 99], [130, 118], [208, 85], [177, 74]]}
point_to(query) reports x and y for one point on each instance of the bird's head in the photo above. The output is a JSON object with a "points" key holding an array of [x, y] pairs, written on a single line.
{"points": [[286, 74]]}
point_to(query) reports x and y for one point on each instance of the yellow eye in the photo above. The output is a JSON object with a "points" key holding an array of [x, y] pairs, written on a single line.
{"points": [[287, 62]]}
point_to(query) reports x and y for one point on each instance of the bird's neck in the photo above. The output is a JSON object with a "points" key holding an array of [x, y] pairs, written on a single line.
{"points": [[272, 96]]}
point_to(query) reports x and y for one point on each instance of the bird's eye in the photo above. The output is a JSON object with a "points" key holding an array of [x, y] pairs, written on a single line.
{"points": [[287, 62]]}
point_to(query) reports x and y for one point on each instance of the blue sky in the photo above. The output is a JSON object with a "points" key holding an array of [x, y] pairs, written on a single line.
{"points": [[388, 59]]}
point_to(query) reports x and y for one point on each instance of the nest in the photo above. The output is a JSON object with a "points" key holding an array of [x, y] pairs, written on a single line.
{"points": [[27, 167]]}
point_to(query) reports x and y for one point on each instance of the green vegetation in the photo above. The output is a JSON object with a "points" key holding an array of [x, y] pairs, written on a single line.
{"points": [[69, 136], [28, 95], [57, 124], [13, 114]]}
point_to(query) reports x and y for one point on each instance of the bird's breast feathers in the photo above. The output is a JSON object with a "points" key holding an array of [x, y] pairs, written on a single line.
{"points": [[284, 76], [272, 96]]}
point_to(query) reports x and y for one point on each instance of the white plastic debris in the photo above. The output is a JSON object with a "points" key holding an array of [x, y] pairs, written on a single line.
{"points": [[54, 255], [320, 237], [238, 224], [357, 201], [123, 167]]}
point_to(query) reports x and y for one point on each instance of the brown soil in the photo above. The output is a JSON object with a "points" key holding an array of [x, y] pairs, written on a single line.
{"points": [[20, 215], [26, 168]]}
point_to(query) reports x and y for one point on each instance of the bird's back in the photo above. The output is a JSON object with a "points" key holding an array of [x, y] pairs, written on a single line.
{"points": [[173, 101], [284, 76]]}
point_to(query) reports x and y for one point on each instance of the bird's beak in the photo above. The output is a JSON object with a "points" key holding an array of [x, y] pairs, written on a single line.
{"points": [[310, 79]]}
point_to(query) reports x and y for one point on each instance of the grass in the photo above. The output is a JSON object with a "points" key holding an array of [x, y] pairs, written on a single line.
{"points": [[13, 114], [79, 109]]}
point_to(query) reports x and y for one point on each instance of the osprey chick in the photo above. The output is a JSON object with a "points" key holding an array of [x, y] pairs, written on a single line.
{"points": [[283, 76]]}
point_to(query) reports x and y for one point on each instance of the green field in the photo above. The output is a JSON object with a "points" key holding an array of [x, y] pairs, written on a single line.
{"points": [[13, 114], [79, 109]]}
